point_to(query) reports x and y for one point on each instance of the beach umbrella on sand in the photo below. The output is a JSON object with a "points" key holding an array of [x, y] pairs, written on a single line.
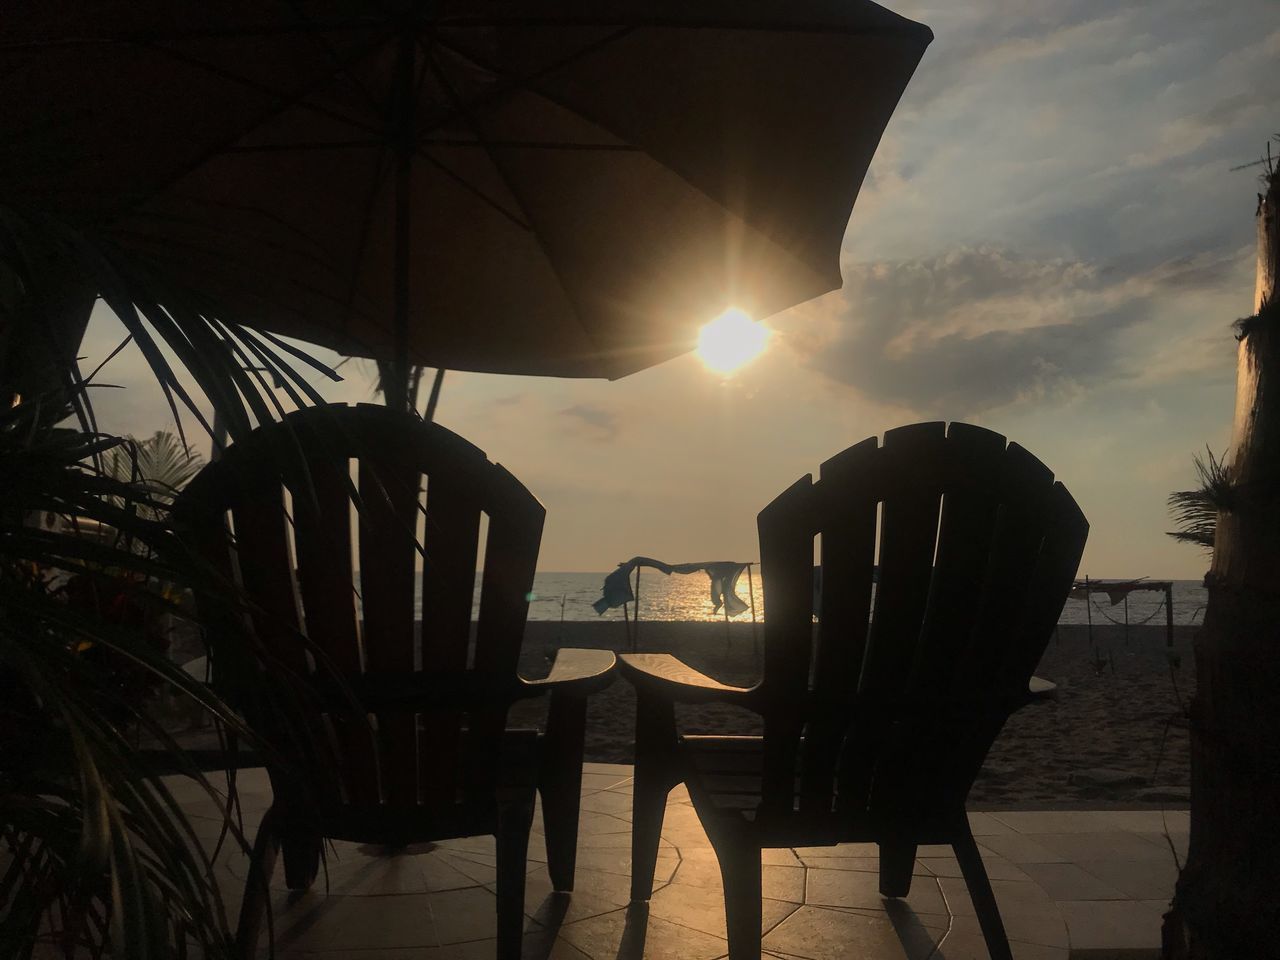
{"points": [[547, 187]]}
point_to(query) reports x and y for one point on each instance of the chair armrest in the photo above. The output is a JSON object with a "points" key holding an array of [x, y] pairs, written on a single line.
{"points": [[576, 673], [670, 678]]}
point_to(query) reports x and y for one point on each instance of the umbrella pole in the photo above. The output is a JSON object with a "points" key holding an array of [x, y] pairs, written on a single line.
{"points": [[751, 591], [403, 137]]}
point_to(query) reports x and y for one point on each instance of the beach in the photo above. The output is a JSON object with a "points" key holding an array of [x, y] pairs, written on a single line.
{"points": [[1114, 733]]}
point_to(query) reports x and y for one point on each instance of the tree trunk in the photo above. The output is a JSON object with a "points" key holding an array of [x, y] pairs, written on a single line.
{"points": [[1227, 903]]}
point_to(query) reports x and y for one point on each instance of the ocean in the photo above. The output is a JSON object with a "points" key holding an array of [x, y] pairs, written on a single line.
{"points": [[569, 596]]}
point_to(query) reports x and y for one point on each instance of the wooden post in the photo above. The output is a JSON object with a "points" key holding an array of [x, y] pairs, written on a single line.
{"points": [[1225, 904], [635, 636], [1088, 611], [1168, 615], [751, 590]]}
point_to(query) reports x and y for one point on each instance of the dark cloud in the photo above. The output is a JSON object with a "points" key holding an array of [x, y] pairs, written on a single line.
{"points": [[595, 422], [978, 329]]}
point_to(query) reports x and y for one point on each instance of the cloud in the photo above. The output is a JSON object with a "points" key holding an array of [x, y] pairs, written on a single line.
{"points": [[977, 329], [594, 422]]}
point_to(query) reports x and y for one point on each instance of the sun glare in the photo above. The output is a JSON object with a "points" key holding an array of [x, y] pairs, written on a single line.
{"points": [[731, 341]]}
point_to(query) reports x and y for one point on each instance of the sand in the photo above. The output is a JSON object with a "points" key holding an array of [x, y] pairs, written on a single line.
{"points": [[1114, 734]]}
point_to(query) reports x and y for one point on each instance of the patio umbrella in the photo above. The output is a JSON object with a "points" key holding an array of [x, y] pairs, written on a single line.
{"points": [[548, 187]]}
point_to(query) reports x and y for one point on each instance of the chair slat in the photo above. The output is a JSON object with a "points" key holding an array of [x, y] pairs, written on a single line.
{"points": [[266, 569], [448, 578], [322, 536], [848, 502], [787, 527], [388, 487], [973, 458], [1025, 484], [912, 484], [510, 556]]}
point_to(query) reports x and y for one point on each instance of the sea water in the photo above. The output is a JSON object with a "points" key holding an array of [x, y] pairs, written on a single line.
{"points": [[569, 596]]}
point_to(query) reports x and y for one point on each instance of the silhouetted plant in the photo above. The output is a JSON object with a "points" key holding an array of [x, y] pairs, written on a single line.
{"points": [[1196, 511], [98, 857]]}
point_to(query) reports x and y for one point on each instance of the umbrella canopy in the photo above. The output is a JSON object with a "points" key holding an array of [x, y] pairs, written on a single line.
{"points": [[546, 187]]}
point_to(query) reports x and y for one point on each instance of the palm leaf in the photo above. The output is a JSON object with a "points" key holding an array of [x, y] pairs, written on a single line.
{"points": [[1196, 511]]}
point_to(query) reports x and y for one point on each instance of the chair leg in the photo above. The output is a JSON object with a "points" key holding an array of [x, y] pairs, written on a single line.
{"points": [[984, 900], [560, 783], [654, 777], [301, 854], [897, 860], [514, 820], [257, 888], [740, 870]]}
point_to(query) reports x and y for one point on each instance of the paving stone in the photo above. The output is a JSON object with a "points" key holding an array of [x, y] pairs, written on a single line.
{"points": [[616, 804], [619, 769], [317, 922], [591, 782], [437, 901], [973, 947], [1178, 839], [1149, 821], [1057, 821], [1067, 881], [1043, 928], [997, 867], [1097, 925], [1011, 896], [808, 854], [987, 824], [1018, 849], [439, 874], [460, 915], [1100, 846], [702, 908], [846, 888], [632, 933], [1145, 880], [818, 932], [618, 862], [780, 856]]}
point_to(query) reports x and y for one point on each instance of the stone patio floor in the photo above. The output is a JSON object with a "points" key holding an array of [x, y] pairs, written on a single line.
{"points": [[1070, 884]]}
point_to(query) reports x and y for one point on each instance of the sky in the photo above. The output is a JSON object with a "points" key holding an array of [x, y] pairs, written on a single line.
{"points": [[1050, 243]]}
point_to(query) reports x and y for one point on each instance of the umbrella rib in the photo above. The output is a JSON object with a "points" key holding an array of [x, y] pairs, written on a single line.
{"points": [[469, 119], [337, 63], [474, 190], [282, 101], [908, 29], [532, 145], [280, 104], [515, 83], [578, 111]]}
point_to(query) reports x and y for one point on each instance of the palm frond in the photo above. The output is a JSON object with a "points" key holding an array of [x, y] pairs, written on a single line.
{"points": [[1196, 511]]}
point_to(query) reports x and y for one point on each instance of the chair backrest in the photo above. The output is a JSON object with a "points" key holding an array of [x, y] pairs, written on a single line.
{"points": [[889, 706], [294, 510]]}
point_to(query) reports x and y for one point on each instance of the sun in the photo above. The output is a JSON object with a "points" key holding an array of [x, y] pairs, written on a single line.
{"points": [[731, 341]]}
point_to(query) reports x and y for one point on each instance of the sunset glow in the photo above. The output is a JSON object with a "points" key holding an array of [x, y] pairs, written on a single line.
{"points": [[731, 340]]}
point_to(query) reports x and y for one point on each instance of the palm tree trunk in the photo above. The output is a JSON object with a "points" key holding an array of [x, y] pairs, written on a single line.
{"points": [[1226, 905]]}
